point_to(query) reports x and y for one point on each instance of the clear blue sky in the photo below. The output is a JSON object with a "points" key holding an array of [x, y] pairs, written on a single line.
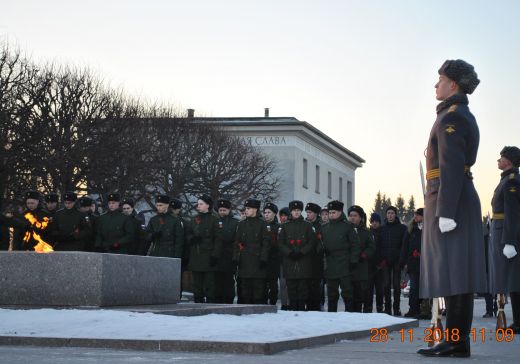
{"points": [[361, 71]]}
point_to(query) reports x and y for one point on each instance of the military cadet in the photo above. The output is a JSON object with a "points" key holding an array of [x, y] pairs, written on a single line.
{"points": [[283, 216], [205, 251], [312, 212], [297, 242], [251, 252], [358, 303], [324, 215], [225, 269], [51, 204], [33, 223], [164, 231], [138, 246], [504, 266], [70, 228], [452, 257], [411, 259], [114, 230], [176, 208], [375, 267], [84, 205], [342, 250], [274, 261]]}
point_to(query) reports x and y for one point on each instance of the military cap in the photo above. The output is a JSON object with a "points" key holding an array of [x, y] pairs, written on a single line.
{"points": [[295, 205], [224, 203], [511, 153], [313, 207], [271, 206], [462, 73], [393, 208], [253, 203], [375, 217], [128, 201], [325, 208], [52, 197], [85, 201], [35, 195], [419, 211], [114, 196], [357, 209], [335, 205], [207, 199], [285, 211], [70, 196], [162, 199], [175, 204]]}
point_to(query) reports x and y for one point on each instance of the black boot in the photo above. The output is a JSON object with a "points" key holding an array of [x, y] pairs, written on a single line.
{"points": [[332, 306], [515, 306], [459, 315]]}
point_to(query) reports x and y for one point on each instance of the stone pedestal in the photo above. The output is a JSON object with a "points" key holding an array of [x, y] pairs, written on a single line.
{"points": [[87, 279]]}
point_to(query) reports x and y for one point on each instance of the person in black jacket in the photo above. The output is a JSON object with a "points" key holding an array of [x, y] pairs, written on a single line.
{"points": [[411, 259], [375, 271], [392, 234]]}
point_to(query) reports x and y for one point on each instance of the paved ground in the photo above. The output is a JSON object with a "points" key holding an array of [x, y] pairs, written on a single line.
{"points": [[356, 351]]}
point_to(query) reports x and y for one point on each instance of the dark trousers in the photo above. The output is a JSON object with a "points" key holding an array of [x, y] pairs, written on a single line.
{"points": [[413, 299], [459, 314], [204, 287], [333, 286], [224, 287], [392, 275], [515, 305], [271, 288], [358, 301], [375, 285], [314, 301], [253, 291], [298, 291]]}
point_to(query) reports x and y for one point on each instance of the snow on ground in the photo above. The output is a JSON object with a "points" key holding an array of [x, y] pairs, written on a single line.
{"points": [[261, 328]]}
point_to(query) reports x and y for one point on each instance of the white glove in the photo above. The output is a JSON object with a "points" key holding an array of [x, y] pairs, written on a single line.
{"points": [[446, 224], [509, 251]]}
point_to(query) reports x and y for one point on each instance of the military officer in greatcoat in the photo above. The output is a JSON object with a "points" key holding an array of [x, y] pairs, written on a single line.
{"points": [[70, 226], [251, 252], [225, 269], [452, 255], [273, 264], [312, 211], [164, 231], [504, 245], [51, 204], [114, 231], [84, 205], [297, 242]]}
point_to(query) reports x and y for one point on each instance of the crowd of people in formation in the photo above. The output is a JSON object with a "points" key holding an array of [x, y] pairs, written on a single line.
{"points": [[264, 255]]}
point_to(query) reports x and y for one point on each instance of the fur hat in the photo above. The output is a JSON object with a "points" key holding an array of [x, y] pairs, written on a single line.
{"points": [[253, 203], [511, 153], [335, 205], [295, 205], [224, 203], [271, 206], [462, 73], [313, 207]]}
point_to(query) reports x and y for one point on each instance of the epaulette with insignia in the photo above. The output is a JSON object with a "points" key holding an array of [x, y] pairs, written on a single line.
{"points": [[452, 108], [512, 176]]}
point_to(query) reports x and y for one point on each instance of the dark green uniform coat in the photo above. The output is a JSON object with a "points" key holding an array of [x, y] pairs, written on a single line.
{"points": [[297, 237], [115, 231], [252, 245], [228, 228], [368, 249], [166, 234], [205, 243], [274, 262], [342, 247], [71, 230]]}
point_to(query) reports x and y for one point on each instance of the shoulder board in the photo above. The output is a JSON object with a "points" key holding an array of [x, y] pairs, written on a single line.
{"points": [[512, 176], [452, 108]]}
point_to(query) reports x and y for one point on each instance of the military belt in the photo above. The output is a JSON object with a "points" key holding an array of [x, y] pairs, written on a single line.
{"points": [[498, 216], [436, 173]]}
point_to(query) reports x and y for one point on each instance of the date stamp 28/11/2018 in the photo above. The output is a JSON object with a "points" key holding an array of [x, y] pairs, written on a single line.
{"points": [[381, 335]]}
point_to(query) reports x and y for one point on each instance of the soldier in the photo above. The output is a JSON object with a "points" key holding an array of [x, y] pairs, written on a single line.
{"points": [[504, 268], [70, 226], [342, 249], [283, 216], [375, 267], [274, 262], [225, 268], [312, 211], [251, 253], [164, 231], [324, 215], [175, 208], [205, 251], [297, 242], [138, 246], [452, 257], [411, 259], [359, 280], [84, 206], [114, 230], [33, 223], [51, 204]]}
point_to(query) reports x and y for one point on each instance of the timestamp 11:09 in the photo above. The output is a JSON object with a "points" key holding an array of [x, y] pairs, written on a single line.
{"points": [[433, 335]]}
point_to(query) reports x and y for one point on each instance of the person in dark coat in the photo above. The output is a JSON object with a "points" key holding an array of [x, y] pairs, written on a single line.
{"points": [[70, 226], [84, 205], [504, 265], [376, 278], [225, 269], [411, 259], [274, 262], [114, 231], [452, 258], [392, 234], [164, 231], [312, 211], [358, 303], [52, 201], [33, 227], [138, 246]]}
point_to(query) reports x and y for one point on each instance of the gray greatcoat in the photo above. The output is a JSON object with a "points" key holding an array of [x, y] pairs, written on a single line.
{"points": [[504, 274], [452, 263]]}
